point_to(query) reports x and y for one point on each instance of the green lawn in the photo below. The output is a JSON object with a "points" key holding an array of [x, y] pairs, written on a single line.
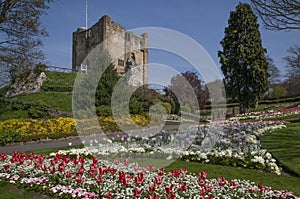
{"points": [[55, 100], [284, 144], [10, 191]]}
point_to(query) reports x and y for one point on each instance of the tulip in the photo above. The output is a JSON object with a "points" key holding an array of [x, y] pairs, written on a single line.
{"points": [[137, 192], [203, 175]]}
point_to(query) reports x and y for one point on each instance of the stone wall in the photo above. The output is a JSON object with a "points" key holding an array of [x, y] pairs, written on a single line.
{"points": [[27, 84]]}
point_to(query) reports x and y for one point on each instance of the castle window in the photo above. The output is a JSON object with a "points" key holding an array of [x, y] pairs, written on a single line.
{"points": [[120, 62]]}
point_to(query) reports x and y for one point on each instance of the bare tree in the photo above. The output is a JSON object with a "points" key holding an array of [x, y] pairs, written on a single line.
{"points": [[292, 84], [273, 71], [293, 60], [20, 33], [278, 14]]}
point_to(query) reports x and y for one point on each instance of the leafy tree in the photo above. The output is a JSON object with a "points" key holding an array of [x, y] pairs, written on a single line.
{"points": [[243, 59], [143, 98], [188, 89], [277, 92], [273, 71], [278, 15], [173, 100], [20, 32]]}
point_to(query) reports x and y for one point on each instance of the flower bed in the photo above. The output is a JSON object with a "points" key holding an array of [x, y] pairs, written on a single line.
{"points": [[63, 177], [234, 144], [24, 130], [278, 114]]}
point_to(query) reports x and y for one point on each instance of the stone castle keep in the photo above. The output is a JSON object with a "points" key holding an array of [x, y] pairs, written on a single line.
{"points": [[85, 40]]}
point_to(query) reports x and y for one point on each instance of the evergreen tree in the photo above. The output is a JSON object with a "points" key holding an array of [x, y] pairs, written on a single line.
{"points": [[106, 86], [243, 60]]}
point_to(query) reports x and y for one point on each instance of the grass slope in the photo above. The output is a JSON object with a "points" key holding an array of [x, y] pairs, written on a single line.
{"points": [[56, 93], [284, 144]]}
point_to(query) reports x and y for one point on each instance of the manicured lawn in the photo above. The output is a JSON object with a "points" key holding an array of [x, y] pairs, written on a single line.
{"points": [[284, 144], [55, 100]]}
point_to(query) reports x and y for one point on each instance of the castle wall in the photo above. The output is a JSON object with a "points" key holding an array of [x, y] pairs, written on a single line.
{"points": [[86, 40]]}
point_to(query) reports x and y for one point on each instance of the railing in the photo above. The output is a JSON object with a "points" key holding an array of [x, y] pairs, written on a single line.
{"points": [[82, 68], [60, 69]]}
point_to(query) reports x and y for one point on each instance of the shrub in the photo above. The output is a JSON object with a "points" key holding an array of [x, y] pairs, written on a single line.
{"points": [[9, 135], [103, 111]]}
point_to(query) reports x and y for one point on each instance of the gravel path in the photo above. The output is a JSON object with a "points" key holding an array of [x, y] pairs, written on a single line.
{"points": [[55, 143]]}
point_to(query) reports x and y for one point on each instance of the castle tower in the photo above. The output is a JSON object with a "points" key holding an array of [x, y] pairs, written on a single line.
{"points": [[84, 40]]}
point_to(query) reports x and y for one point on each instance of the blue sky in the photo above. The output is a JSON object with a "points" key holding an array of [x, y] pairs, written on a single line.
{"points": [[203, 21]]}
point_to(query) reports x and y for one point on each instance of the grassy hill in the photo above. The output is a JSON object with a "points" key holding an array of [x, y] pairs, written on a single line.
{"points": [[56, 96]]}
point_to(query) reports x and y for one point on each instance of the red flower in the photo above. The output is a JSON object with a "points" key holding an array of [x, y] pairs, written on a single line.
{"points": [[95, 160], [137, 193], [6, 167], [37, 164], [152, 197], [158, 179], [172, 196], [221, 181], [2, 156], [181, 186], [160, 172], [101, 170], [44, 167], [80, 171], [232, 184], [203, 175], [251, 189], [67, 159], [260, 187], [53, 161], [139, 178], [68, 174], [99, 180], [108, 195], [169, 189], [152, 187], [76, 160], [61, 167], [79, 179], [52, 170], [58, 156], [175, 173]]}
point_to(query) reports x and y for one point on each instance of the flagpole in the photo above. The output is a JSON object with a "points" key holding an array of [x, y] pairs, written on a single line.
{"points": [[86, 14]]}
